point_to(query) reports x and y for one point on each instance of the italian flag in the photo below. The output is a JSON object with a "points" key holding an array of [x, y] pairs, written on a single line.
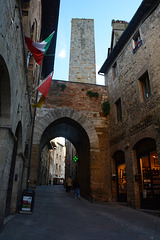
{"points": [[43, 88], [38, 50]]}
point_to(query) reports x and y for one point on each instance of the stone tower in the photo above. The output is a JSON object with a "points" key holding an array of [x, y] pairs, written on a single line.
{"points": [[82, 52]]}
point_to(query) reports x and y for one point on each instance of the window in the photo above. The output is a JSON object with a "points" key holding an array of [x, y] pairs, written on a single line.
{"points": [[144, 85], [114, 70], [137, 42], [118, 110]]}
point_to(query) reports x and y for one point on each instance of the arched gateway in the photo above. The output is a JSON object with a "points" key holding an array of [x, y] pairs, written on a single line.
{"points": [[88, 132]]}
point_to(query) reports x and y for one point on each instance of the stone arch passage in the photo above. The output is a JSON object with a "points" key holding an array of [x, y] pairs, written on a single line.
{"points": [[89, 134], [47, 116], [75, 133], [74, 126]]}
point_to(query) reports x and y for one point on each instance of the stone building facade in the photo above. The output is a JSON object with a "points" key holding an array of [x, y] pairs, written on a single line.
{"points": [[19, 75], [15, 110], [57, 162], [132, 73]]}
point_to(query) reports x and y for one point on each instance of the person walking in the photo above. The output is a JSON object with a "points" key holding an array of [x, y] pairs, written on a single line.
{"points": [[76, 187], [68, 184]]}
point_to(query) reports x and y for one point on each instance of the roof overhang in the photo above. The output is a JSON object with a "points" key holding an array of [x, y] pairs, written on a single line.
{"points": [[144, 10], [50, 14]]}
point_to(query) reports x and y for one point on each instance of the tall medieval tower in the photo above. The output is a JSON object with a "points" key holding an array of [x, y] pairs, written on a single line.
{"points": [[82, 52]]}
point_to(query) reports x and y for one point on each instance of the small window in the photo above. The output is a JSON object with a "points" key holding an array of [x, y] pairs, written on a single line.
{"points": [[137, 42], [144, 85], [114, 70], [118, 110]]}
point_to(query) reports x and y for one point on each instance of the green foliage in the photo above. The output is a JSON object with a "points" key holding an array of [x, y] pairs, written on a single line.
{"points": [[106, 108], [93, 94], [63, 86]]}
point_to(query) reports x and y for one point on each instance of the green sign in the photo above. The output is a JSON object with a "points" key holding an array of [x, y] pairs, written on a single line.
{"points": [[75, 158]]}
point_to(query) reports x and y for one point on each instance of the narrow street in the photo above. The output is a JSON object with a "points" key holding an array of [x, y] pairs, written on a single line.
{"points": [[57, 216]]}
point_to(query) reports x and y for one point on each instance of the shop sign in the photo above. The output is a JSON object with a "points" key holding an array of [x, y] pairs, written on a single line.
{"points": [[26, 203]]}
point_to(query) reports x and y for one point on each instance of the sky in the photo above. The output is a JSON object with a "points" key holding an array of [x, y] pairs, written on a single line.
{"points": [[102, 11]]}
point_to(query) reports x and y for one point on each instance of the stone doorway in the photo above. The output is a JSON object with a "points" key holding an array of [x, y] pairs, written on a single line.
{"points": [[149, 174], [72, 131], [121, 176]]}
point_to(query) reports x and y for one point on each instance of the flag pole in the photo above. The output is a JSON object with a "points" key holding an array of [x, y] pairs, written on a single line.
{"points": [[31, 142]]}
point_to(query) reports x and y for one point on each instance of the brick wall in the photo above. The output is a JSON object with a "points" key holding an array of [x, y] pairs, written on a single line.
{"points": [[74, 103]]}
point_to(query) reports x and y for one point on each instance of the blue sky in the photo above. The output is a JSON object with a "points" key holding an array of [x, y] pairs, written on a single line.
{"points": [[102, 11]]}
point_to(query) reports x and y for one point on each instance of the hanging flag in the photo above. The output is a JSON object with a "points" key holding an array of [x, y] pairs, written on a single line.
{"points": [[38, 50], [43, 88], [40, 102]]}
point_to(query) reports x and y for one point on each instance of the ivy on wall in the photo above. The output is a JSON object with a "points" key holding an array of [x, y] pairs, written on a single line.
{"points": [[93, 94], [61, 86], [106, 108]]}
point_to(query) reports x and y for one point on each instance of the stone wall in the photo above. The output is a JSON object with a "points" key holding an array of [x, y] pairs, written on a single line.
{"points": [[140, 119], [15, 111]]}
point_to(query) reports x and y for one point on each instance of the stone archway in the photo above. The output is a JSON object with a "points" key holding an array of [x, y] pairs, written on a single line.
{"points": [[75, 127], [98, 166], [47, 116], [75, 133]]}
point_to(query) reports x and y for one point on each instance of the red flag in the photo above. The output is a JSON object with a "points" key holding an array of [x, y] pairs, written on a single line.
{"points": [[38, 55], [43, 88], [45, 85]]}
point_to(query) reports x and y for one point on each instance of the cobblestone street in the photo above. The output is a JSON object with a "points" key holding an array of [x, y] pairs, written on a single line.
{"points": [[57, 216]]}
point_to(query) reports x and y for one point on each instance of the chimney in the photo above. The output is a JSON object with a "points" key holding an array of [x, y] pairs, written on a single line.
{"points": [[118, 28]]}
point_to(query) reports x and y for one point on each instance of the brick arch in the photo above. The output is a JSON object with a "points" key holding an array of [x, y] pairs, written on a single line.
{"points": [[140, 136], [49, 115]]}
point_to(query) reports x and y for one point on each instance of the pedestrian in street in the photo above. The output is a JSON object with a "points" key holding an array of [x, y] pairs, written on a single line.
{"points": [[76, 188], [68, 184]]}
